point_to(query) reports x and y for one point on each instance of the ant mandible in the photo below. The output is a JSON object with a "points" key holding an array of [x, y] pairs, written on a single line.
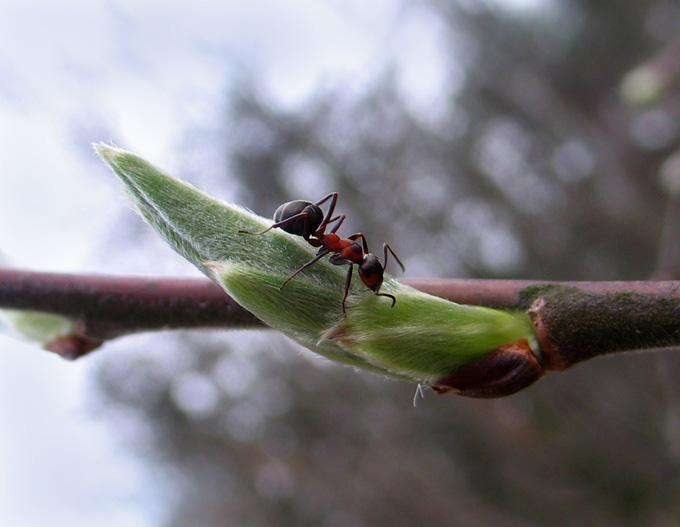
{"points": [[306, 219]]}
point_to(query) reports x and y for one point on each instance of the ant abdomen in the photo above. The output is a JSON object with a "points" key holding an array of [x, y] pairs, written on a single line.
{"points": [[301, 218]]}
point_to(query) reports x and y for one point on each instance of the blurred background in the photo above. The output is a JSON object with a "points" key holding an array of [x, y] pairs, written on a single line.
{"points": [[480, 138]]}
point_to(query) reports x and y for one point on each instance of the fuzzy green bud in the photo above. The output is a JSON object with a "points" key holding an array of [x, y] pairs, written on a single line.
{"points": [[422, 338]]}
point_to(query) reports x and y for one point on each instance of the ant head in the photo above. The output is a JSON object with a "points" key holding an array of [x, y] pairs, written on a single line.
{"points": [[308, 221], [371, 272]]}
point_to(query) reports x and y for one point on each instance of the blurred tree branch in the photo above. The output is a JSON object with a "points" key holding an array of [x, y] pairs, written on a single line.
{"points": [[574, 321]]}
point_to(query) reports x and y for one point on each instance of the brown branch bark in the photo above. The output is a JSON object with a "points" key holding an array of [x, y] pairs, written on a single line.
{"points": [[574, 321], [105, 307]]}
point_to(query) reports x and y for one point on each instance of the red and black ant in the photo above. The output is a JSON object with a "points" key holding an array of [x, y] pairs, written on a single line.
{"points": [[306, 219]]}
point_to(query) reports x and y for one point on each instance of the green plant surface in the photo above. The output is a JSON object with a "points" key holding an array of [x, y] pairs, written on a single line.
{"points": [[422, 338]]}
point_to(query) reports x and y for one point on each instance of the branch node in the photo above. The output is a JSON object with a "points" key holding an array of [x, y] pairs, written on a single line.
{"points": [[551, 356]]}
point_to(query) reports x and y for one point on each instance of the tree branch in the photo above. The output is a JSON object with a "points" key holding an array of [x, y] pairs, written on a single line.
{"points": [[105, 307], [574, 321]]}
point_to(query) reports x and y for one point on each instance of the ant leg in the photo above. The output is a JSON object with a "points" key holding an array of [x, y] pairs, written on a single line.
{"points": [[333, 196], [339, 219], [323, 200], [278, 224], [348, 281], [259, 233], [336, 259], [361, 237], [388, 248], [318, 257]]}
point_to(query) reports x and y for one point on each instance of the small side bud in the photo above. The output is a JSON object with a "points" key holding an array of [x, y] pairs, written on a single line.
{"points": [[34, 326], [71, 347], [504, 371]]}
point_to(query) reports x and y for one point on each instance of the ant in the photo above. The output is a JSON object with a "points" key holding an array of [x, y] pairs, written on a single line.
{"points": [[306, 219]]}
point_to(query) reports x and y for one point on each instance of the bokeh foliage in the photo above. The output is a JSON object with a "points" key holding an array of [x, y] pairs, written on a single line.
{"points": [[529, 166]]}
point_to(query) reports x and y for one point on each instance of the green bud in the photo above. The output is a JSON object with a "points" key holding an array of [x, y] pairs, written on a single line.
{"points": [[41, 328], [422, 338]]}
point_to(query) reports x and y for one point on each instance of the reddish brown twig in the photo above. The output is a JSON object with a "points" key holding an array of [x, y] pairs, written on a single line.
{"points": [[574, 321], [105, 307]]}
